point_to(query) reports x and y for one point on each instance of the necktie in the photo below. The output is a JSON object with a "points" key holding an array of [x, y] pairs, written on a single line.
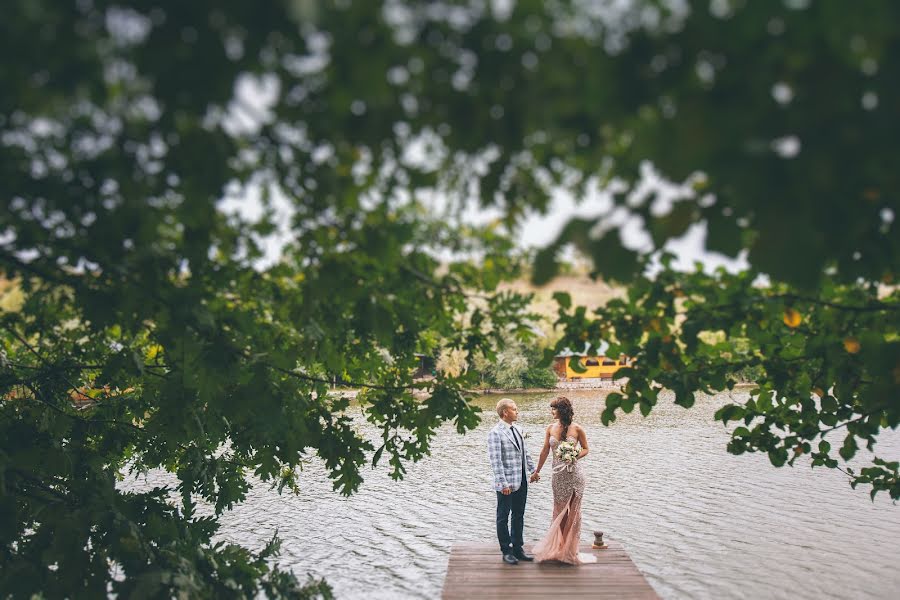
{"points": [[521, 443], [517, 437]]}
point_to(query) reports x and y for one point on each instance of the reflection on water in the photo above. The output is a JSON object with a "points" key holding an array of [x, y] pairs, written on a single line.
{"points": [[698, 522]]}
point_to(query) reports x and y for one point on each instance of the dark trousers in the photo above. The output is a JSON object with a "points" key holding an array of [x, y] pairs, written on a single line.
{"points": [[511, 535]]}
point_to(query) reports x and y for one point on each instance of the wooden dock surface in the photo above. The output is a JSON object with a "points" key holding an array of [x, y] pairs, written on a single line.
{"points": [[478, 571]]}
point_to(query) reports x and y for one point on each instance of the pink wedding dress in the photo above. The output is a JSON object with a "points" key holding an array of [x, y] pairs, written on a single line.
{"points": [[561, 541]]}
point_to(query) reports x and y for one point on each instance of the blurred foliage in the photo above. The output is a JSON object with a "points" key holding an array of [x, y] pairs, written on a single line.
{"points": [[153, 330], [518, 365], [452, 362]]}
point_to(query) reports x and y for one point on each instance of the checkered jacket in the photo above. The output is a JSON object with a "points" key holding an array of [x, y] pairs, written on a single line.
{"points": [[506, 459]]}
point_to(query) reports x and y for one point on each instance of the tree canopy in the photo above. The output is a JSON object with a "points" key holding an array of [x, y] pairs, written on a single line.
{"points": [[148, 335]]}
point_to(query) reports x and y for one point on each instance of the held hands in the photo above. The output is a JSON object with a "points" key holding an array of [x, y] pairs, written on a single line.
{"points": [[534, 477]]}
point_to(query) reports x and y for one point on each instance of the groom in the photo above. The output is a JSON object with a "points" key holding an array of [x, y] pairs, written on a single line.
{"points": [[509, 459]]}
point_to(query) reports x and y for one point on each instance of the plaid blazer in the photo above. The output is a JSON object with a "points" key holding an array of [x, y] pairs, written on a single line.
{"points": [[506, 459]]}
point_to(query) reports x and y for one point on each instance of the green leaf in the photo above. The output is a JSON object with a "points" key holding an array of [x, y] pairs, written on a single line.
{"points": [[685, 398], [563, 299], [848, 450], [545, 266], [778, 456], [730, 412], [646, 407]]}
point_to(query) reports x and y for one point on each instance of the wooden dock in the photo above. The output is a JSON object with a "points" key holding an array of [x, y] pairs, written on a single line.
{"points": [[477, 571]]}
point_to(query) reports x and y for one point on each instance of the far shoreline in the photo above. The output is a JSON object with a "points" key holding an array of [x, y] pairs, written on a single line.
{"points": [[591, 386]]}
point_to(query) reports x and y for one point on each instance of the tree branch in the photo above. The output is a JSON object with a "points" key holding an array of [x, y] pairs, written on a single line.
{"points": [[37, 482], [15, 334], [874, 307], [858, 419], [456, 288], [342, 381]]}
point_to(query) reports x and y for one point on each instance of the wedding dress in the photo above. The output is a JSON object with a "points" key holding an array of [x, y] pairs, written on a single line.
{"points": [[561, 541]]}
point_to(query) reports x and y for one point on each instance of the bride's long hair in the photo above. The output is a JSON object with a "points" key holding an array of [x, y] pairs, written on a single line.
{"points": [[564, 412]]}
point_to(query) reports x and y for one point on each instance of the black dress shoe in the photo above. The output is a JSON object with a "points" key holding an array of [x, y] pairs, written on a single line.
{"points": [[520, 554], [510, 559]]}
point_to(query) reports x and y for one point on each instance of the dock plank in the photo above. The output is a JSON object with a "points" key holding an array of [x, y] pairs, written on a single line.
{"points": [[477, 571]]}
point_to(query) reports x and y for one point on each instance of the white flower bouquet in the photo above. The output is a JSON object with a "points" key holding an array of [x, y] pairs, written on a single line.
{"points": [[567, 454]]}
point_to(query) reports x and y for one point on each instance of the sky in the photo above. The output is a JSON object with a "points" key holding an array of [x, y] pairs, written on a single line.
{"points": [[540, 230], [537, 230]]}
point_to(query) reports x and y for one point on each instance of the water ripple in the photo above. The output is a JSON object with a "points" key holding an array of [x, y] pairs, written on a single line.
{"points": [[700, 523]]}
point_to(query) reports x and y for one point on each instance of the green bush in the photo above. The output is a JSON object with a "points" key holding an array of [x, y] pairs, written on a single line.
{"points": [[517, 366], [539, 377]]}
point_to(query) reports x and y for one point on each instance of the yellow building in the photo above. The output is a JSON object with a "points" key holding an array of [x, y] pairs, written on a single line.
{"points": [[592, 367]]}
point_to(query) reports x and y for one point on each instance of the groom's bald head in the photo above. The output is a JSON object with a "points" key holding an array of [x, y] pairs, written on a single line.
{"points": [[504, 405]]}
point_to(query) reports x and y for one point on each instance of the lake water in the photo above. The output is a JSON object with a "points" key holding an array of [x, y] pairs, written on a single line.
{"points": [[698, 522]]}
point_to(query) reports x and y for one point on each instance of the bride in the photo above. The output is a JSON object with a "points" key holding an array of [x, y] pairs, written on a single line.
{"points": [[561, 541]]}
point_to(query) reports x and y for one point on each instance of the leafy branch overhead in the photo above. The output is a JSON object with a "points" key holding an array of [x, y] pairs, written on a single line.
{"points": [[824, 368], [216, 376]]}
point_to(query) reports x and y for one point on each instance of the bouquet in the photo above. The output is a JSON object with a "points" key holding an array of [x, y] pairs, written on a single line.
{"points": [[567, 454]]}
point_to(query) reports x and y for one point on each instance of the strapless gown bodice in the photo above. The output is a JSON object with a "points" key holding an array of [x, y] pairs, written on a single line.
{"points": [[567, 479]]}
